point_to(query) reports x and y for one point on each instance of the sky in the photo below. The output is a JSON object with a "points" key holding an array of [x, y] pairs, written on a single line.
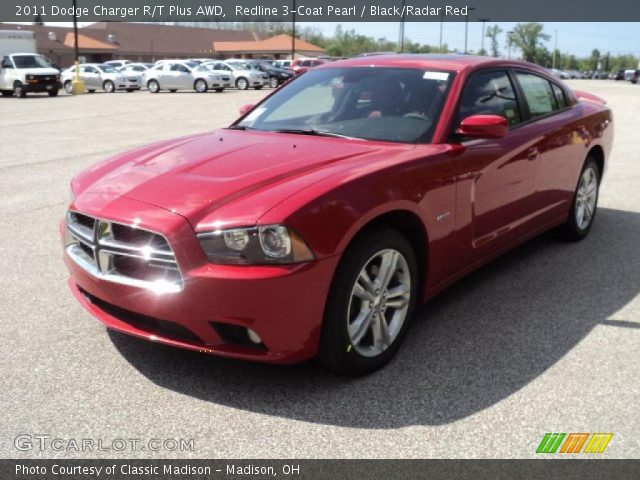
{"points": [[576, 38]]}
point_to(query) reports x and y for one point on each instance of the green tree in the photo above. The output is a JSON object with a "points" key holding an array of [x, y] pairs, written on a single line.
{"points": [[528, 37], [493, 33]]}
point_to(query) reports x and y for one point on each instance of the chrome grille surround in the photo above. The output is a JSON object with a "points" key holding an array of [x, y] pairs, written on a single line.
{"points": [[111, 254]]}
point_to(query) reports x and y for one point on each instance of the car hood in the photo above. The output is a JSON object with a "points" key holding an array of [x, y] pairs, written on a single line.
{"points": [[199, 175], [41, 71]]}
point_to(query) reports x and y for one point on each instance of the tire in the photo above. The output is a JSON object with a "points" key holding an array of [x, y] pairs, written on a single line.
{"points": [[343, 347], [91, 91], [7, 93], [242, 83], [18, 90], [173, 90], [53, 93], [273, 82], [129, 90], [219, 90], [200, 85], [258, 87], [68, 87], [585, 202], [108, 86], [153, 86]]}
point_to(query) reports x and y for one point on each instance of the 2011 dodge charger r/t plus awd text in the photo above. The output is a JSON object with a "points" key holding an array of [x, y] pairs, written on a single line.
{"points": [[313, 225]]}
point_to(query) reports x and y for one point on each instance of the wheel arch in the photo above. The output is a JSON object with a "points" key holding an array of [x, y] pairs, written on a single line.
{"points": [[406, 222], [597, 153]]}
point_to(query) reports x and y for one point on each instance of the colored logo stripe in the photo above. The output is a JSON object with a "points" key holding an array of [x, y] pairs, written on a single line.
{"points": [[574, 442], [550, 443], [598, 442]]}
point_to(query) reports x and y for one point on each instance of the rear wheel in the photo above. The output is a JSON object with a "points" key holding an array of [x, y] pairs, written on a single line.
{"points": [[153, 86], [108, 86], [273, 82], [370, 303], [53, 93], [585, 202], [7, 93]]}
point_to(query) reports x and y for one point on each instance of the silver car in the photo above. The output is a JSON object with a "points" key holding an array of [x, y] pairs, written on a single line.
{"points": [[243, 76], [98, 76], [174, 75], [136, 72]]}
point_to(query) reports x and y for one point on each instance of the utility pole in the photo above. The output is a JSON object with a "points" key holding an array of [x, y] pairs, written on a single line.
{"points": [[440, 47], [293, 36], [484, 21], [401, 39], [509, 33], [77, 85], [555, 49], [466, 28]]}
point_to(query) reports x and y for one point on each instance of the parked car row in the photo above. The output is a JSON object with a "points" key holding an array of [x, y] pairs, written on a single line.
{"points": [[621, 74]]}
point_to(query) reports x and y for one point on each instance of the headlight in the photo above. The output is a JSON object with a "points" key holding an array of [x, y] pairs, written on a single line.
{"points": [[29, 77], [255, 245]]}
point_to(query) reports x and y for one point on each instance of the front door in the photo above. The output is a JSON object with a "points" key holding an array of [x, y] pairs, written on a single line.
{"points": [[496, 178]]}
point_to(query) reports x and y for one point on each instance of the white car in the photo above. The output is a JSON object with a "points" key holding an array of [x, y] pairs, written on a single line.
{"points": [[184, 75], [243, 76], [27, 72], [97, 76], [118, 63], [136, 71]]}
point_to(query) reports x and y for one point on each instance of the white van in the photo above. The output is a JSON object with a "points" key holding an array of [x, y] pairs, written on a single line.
{"points": [[24, 72]]}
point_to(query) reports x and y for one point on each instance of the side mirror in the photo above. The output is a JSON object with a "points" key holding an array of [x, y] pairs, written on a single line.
{"points": [[244, 109], [483, 126]]}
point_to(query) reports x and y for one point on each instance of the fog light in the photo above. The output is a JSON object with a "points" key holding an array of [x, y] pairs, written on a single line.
{"points": [[254, 337]]}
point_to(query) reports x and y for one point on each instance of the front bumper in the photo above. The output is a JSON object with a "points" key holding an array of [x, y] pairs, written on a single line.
{"points": [[284, 305], [41, 86]]}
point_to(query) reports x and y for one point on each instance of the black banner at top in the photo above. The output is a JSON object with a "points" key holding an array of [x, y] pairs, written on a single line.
{"points": [[321, 10]]}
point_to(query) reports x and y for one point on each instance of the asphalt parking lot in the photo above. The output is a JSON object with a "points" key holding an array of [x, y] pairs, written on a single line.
{"points": [[545, 339]]}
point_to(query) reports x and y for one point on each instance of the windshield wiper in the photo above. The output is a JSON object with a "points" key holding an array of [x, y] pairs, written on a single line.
{"points": [[313, 131]]}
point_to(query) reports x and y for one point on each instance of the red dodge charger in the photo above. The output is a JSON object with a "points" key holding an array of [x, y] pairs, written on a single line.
{"points": [[314, 225]]}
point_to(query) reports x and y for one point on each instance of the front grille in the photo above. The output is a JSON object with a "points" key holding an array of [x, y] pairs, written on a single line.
{"points": [[122, 253]]}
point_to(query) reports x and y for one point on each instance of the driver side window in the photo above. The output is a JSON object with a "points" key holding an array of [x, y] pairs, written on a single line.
{"points": [[489, 93]]}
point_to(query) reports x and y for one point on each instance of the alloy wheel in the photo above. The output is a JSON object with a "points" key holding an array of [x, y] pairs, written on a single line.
{"points": [[379, 303], [587, 198]]}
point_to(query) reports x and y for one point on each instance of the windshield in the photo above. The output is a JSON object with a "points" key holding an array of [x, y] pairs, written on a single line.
{"points": [[107, 68], [240, 66], [387, 104], [30, 61]]}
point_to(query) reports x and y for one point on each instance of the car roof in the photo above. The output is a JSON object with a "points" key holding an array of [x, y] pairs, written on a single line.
{"points": [[450, 62]]}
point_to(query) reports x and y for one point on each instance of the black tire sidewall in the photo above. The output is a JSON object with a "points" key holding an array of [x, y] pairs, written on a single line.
{"points": [[336, 351]]}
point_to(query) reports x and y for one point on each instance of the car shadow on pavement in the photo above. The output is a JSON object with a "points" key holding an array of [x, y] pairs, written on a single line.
{"points": [[480, 341]]}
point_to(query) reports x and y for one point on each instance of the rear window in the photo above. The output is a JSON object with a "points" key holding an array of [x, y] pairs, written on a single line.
{"points": [[561, 100], [538, 93]]}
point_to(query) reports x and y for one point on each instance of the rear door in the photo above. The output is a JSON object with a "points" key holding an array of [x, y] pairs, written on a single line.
{"points": [[557, 125]]}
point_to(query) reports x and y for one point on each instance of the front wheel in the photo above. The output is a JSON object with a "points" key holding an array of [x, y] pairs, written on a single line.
{"points": [[200, 86], [108, 86], [53, 93], [273, 82], [585, 202], [242, 83], [18, 90], [68, 87], [370, 303]]}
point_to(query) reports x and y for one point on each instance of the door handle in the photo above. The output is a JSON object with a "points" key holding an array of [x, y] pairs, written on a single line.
{"points": [[532, 153]]}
